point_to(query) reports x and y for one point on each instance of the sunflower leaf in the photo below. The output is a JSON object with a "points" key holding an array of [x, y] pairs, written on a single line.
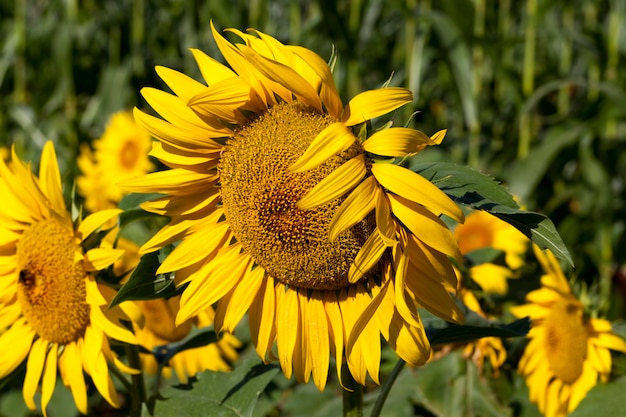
{"points": [[481, 192], [218, 393], [145, 284], [461, 333], [164, 353]]}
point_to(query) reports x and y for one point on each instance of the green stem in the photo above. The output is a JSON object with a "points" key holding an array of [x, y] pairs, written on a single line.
{"points": [[352, 394], [386, 388], [138, 388]]}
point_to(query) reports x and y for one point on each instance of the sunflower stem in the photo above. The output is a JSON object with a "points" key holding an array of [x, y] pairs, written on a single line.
{"points": [[386, 388], [352, 395], [138, 388]]}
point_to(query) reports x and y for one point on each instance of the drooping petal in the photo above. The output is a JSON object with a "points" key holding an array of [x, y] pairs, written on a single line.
{"points": [[416, 188], [331, 141], [287, 325], [49, 377], [336, 184], [34, 371], [367, 257], [261, 317], [233, 306], [19, 337], [72, 375], [374, 103], [318, 343]]}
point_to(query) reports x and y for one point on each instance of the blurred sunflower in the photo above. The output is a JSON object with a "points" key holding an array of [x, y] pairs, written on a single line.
{"points": [[53, 311], [567, 352], [119, 154], [160, 329], [284, 212], [483, 230]]}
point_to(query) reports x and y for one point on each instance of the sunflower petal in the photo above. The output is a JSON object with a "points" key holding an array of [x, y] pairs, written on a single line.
{"points": [[287, 324], [212, 70], [336, 184], [425, 226], [318, 343], [331, 141], [397, 141], [50, 178], [233, 306], [49, 377], [355, 207], [368, 256], [94, 221], [72, 375], [374, 103], [416, 188], [34, 371], [261, 317], [97, 259]]}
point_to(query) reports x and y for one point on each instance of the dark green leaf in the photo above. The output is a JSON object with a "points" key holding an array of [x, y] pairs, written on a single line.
{"points": [[144, 283], [484, 255], [479, 191], [461, 333], [132, 201], [165, 352], [232, 394]]}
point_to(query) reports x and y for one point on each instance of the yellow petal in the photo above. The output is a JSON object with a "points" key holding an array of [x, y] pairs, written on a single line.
{"points": [[368, 256], [336, 328], [397, 141], [408, 314], [491, 278], [49, 377], [284, 76], [212, 71], [34, 370], [287, 324], [94, 221], [72, 374], [437, 138], [261, 317], [223, 100], [181, 84], [50, 177], [196, 246], [328, 94], [114, 330], [331, 141], [318, 343], [336, 184], [425, 226], [416, 188], [610, 341], [231, 309], [180, 136], [173, 181], [363, 351], [356, 206], [97, 259], [373, 103]]}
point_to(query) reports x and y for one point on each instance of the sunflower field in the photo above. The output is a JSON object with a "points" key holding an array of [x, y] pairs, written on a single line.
{"points": [[276, 208]]}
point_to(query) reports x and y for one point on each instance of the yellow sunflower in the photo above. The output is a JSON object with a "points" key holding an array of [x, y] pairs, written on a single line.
{"points": [[52, 310], [283, 211], [160, 329], [567, 352], [119, 154], [483, 230]]}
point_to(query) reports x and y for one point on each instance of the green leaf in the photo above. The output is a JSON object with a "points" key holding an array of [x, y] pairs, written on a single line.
{"points": [[603, 400], [461, 333], [132, 201], [232, 394], [479, 191], [484, 256], [145, 284]]}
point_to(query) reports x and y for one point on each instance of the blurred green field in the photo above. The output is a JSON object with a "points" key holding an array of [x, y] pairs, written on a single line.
{"points": [[532, 92]]}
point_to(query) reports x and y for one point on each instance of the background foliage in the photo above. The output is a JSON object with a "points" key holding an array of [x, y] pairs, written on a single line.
{"points": [[530, 92]]}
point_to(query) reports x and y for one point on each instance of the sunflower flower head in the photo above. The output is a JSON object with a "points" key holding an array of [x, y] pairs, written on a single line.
{"points": [[54, 311], [567, 352], [288, 206], [160, 329], [483, 230], [119, 154]]}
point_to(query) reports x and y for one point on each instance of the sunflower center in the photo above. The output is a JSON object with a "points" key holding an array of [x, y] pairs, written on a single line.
{"points": [[566, 340], [51, 284], [129, 154], [160, 317], [260, 195]]}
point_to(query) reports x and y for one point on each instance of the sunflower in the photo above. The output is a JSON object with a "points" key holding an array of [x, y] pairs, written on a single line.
{"points": [[567, 352], [120, 153], [483, 230], [160, 329], [287, 207], [54, 313]]}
